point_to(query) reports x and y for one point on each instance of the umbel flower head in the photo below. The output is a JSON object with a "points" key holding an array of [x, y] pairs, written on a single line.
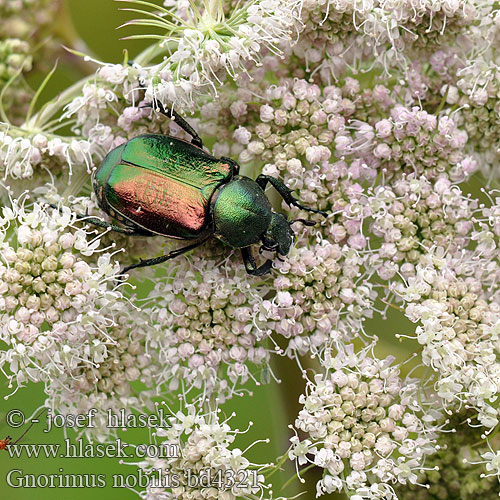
{"points": [[336, 35], [203, 323], [317, 296], [412, 215], [57, 297], [198, 460], [413, 140], [294, 133], [203, 43], [464, 466], [364, 425], [458, 327], [24, 154]]}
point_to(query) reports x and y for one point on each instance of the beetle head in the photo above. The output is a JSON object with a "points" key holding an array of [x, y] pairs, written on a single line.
{"points": [[279, 234]]}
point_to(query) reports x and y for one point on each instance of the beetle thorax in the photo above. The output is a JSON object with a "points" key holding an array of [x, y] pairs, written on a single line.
{"points": [[241, 212]]}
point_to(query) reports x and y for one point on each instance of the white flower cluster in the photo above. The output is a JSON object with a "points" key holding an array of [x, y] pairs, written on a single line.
{"points": [[203, 323], [110, 109], [115, 87], [459, 329], [55, 305], [24, 154], [411, 141], [350, 32], [475, 92], [64, 321], [364, 425], [293, 136], [320, 296], [411, 215], [124, 361], [465, 464], [204, 46], [205, 464]]}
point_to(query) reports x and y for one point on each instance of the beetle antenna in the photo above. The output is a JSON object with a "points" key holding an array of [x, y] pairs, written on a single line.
{"points": [[304, 221]]}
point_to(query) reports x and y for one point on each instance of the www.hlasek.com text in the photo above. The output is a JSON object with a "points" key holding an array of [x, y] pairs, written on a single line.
{"points": [[81, 449]]}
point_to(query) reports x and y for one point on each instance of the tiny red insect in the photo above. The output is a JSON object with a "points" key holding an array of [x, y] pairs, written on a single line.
{"points": [[5, 442]]}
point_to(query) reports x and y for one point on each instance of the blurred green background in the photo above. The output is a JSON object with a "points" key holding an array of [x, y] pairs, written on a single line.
{"points": [[271, 408]]}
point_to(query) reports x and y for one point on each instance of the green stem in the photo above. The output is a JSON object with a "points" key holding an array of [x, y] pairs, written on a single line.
{"points": [[443, 101], [279, 462], [291, 378], [147, 55], [53, 107], [295, 477], [39, 91], [214, 8]]}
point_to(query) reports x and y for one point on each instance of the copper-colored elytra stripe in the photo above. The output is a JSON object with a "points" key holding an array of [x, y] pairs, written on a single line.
{"points": [[151, 200]]}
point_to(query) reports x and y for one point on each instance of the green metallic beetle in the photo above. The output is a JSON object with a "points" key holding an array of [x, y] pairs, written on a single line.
{"points": [[160, 185]]}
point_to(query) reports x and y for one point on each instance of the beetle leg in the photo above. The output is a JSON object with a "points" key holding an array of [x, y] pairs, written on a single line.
{"points": [[106, 225], [251, 265], [170, 113], [304, 221], [101, 223], [285, 192], [163, 258]]}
